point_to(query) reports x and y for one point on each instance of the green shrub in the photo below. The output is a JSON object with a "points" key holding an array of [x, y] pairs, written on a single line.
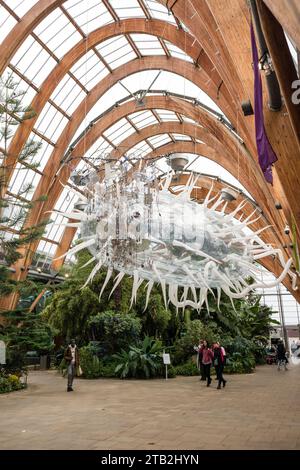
{"points": [[116, 330], [10, 384], [143, 361], [189, 368], [89, 363], [240, 364]]}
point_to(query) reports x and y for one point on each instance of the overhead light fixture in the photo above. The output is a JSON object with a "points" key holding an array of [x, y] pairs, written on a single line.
{"points": [[247, 108], [286, 229], [278, 205], [228, 194], [39, 270], [178, 161]]}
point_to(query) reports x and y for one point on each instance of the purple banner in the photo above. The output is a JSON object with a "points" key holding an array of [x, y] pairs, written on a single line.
{"points": [[266, 155]]}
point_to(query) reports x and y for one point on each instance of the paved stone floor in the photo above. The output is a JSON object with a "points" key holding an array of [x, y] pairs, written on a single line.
{"points": [[255, 411]]}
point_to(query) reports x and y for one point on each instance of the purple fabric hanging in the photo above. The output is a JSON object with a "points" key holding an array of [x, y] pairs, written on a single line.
{"points": [[266, 155]]}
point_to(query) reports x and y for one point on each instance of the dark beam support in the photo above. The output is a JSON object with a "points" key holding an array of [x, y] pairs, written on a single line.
{"points": [[282, 61]]}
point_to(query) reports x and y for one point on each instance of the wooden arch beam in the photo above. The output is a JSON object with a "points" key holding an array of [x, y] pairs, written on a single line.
{"points": [[22, 29], [287, 13], [154, 27], [232, 31], [215, 131], [171, 64]]}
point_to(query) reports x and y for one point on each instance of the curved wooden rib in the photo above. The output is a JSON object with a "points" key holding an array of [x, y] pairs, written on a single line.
{"points": [[154, 27], [219, 138], [230, 32], [22, 29], [287, 13]]}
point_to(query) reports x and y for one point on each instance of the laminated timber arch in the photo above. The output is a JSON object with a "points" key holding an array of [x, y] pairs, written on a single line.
{"points": [[218, 134], [224, 35], [158, 28], [223, 54], [224, 32]]}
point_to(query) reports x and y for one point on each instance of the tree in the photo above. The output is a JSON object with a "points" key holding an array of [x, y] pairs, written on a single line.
{"points": [[13, 208]]}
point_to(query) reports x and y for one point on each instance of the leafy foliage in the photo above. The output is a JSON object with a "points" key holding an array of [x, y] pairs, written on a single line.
{"points": [[25, 331], [189, 368], [143, 361], [116, 330]]}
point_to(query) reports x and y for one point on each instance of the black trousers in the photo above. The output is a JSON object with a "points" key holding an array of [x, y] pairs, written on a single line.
{"points": [[219, 372], [206, 369], [202, 373]]}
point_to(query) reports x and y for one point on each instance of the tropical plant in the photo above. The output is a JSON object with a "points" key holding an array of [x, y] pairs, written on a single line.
{"points": [[24, 331], [142, 361], [189, 368], [115, 330]]}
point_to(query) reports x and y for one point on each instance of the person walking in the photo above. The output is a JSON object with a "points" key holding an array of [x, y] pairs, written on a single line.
{"points": [[207, 359], [219, 363], [72, 359], [281, 355], [200, 363]]}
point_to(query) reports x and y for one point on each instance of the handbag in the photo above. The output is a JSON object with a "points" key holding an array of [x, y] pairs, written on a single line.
{"points": [[79, 371]]}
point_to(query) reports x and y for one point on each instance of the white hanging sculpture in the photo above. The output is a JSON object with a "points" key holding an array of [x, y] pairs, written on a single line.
{"points": [[154, 235]]}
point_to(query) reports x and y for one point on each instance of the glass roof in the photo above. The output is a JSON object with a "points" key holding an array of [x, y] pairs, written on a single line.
{"points": [[44, 49]]}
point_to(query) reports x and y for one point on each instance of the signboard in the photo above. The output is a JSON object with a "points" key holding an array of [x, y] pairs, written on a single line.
{"points": [[166, 359], [2, 353]]}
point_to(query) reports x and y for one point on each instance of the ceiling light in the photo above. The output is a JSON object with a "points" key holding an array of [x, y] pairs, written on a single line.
{"points": [[178, 161], [228, 194]]}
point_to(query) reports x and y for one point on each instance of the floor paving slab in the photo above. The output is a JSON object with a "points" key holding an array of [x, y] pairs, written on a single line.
{"points": [[254, 411]]}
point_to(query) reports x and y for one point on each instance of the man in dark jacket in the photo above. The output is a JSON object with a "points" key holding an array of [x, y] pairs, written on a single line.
{"points": [[281, 354], [219, 363], [72, 359]]}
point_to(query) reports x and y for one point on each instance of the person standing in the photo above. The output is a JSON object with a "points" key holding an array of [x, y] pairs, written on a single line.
{"points": [[207, 358], [72, 359], [219, 363]]}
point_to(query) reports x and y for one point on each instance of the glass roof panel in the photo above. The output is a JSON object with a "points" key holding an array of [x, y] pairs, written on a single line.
{"points": [[89, 70], [88, 15], [166, 115], [40, 64], [58, 33], [51, 122], [143, 119], [128, 9], [147, 44], [68, 94], [181, 137], [159, 140], [159, 11], [43, 154], [119, 131], [177, 52], [99, 150], [7, 22], [24, 181], [116, 51], [139, 150], [20, 7]]}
